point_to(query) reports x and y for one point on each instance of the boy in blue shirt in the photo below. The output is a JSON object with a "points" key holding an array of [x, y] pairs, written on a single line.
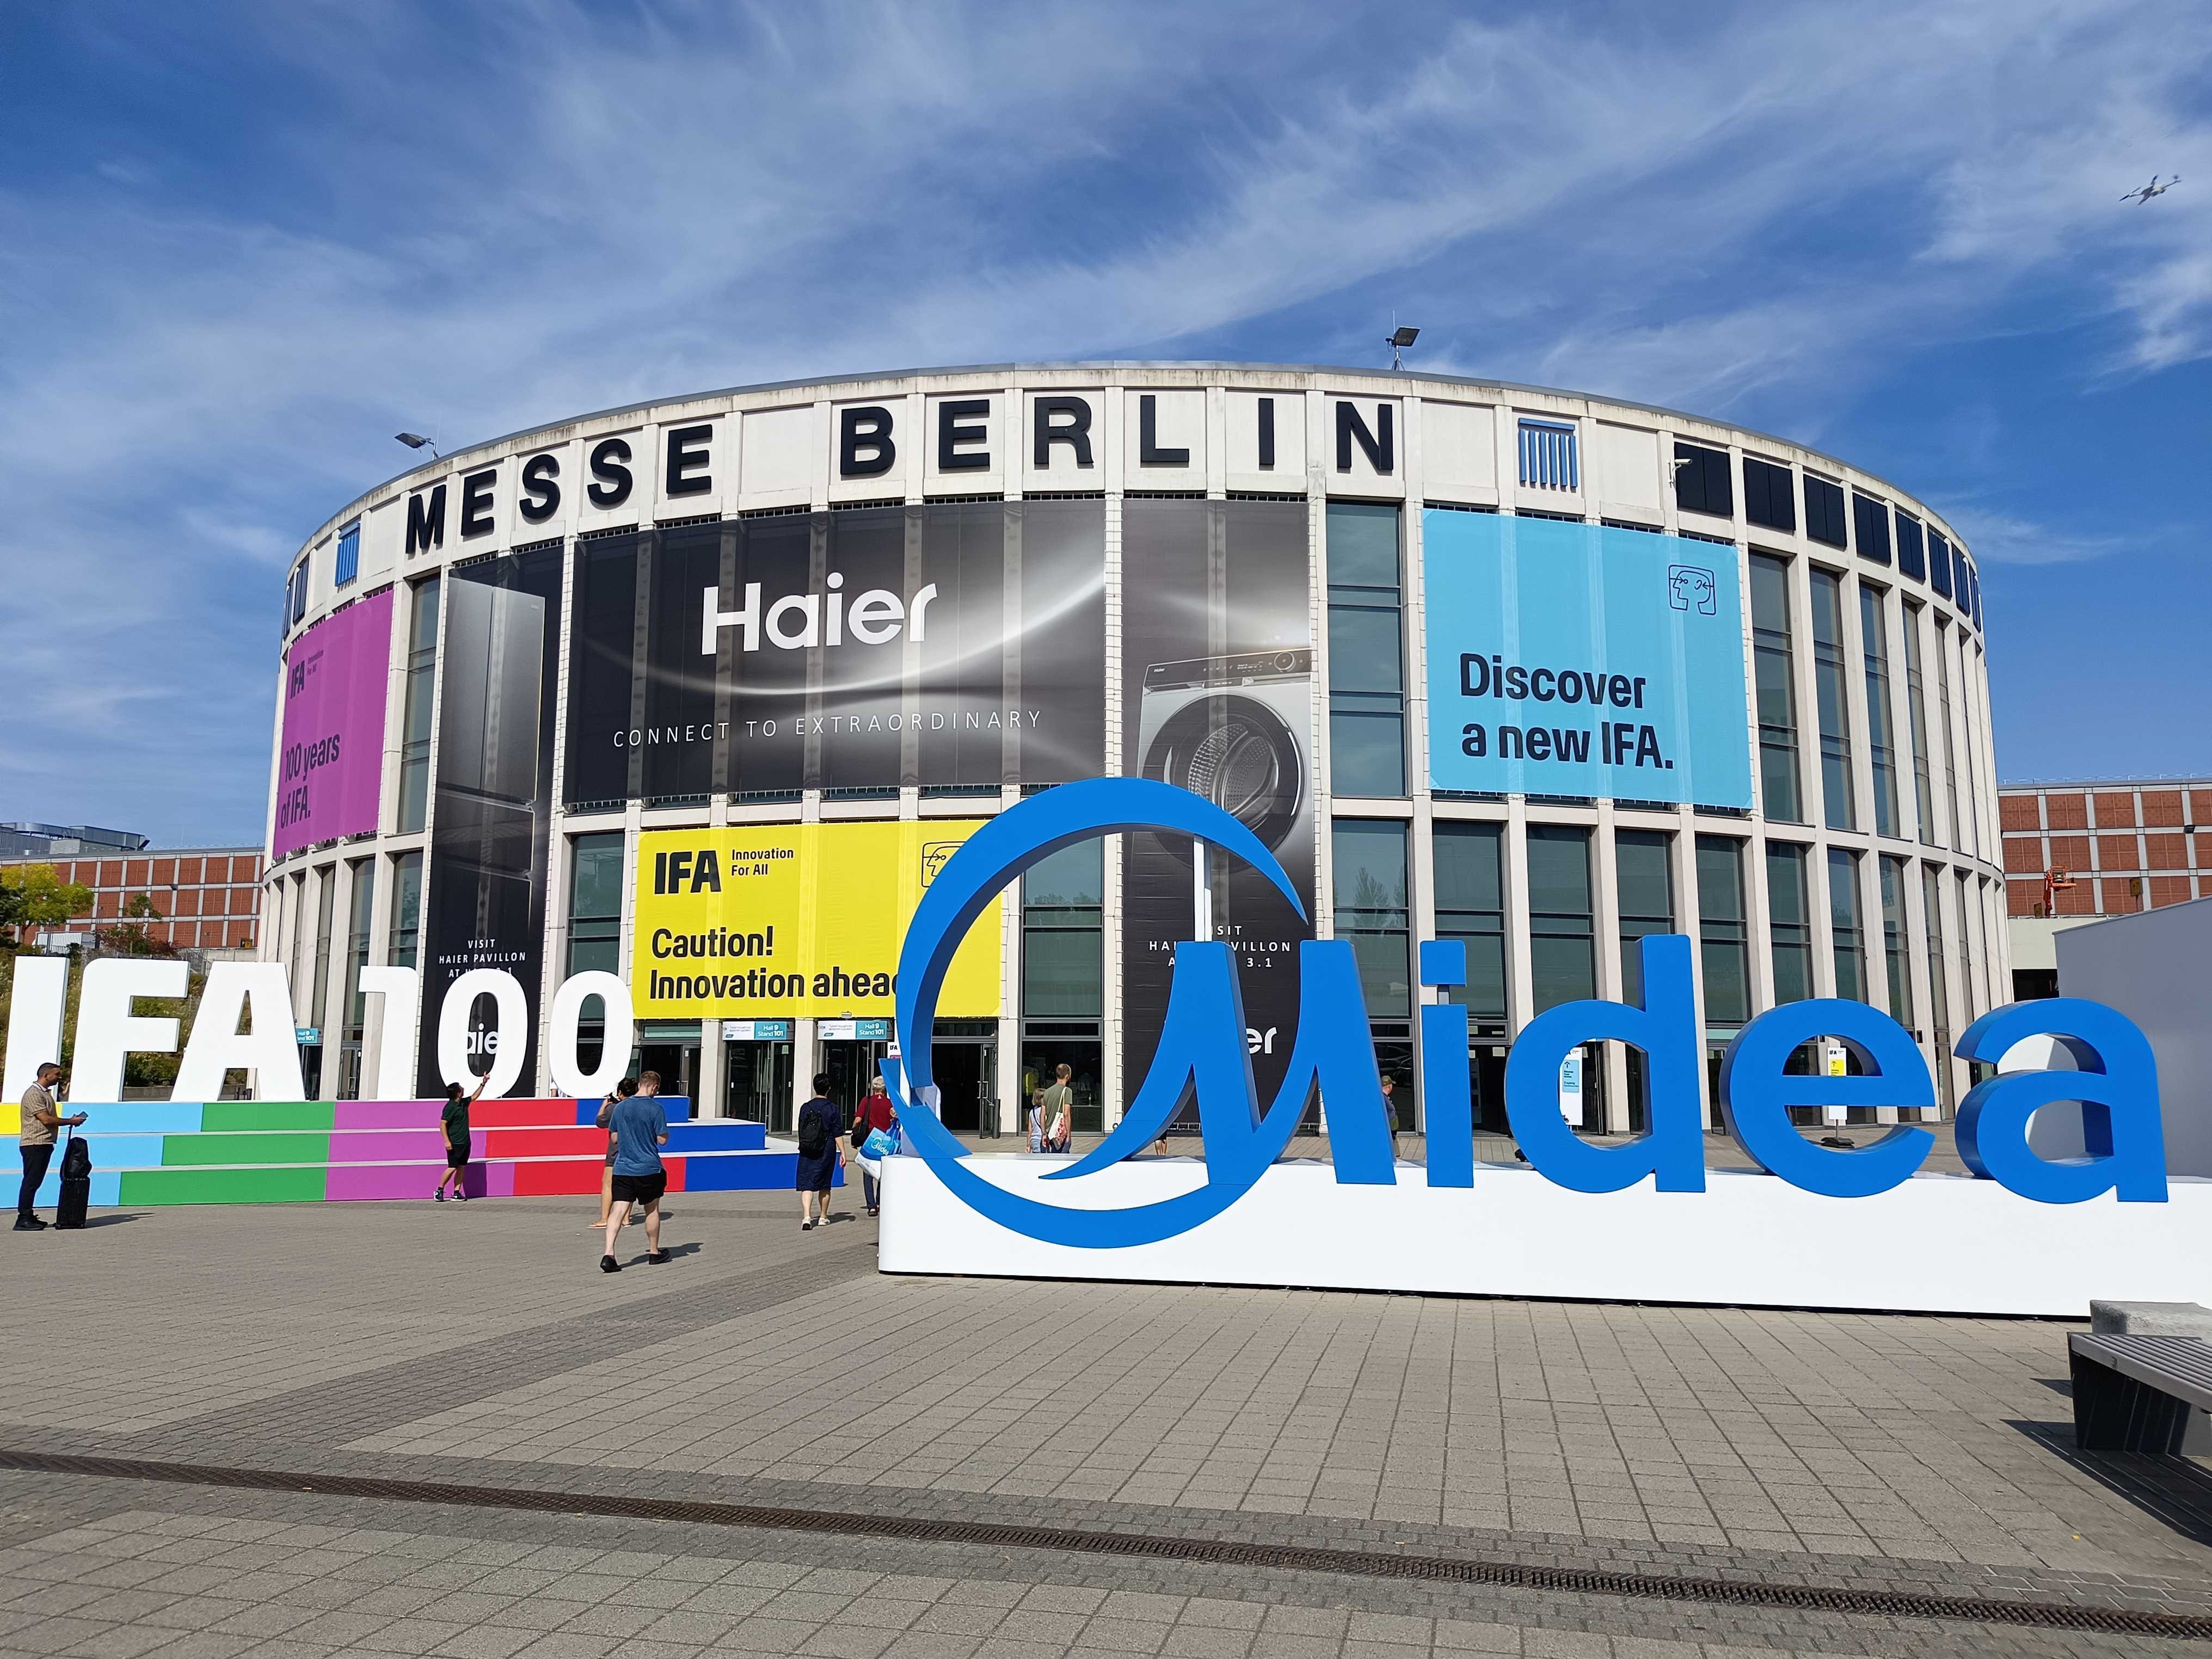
{"points": [[640, 1130]]}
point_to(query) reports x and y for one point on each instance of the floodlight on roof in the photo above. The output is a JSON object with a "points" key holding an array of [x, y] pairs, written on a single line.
{"points": [[417, 440], [1399, 340]]}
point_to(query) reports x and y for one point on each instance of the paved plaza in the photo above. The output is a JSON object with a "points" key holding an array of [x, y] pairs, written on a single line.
{"points": [[409, 1429]]}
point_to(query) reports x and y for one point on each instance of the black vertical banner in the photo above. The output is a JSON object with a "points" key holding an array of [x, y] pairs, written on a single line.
{"points": [[963, 702], [1060, 716], [488, 840], [866, 614], [768, 714], [1217, 672]]}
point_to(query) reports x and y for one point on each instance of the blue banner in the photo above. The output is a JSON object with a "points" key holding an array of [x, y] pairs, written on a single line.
{"points": [[1579, 659]]}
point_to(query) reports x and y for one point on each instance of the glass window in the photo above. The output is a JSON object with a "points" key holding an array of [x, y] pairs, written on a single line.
{"points": [[359, 904], [595, 896], [1824, 512], [1366, 653], [415, 715], [1063, 961], [1847, 938], [349, 561], [326, 895], [1701, 481], [1723, 932], [1894, 940], [1881, 749], [1829, 693], [406, 909], [1790, 921], [1769, 498], [1643, 871], [1471, 907], [1548, 460], [1939, 564], [1870, 518], [1562, 960], [1370, 884], [1776, 689], [1943, 636], [1939, 979], [1911, 559], [1916, 700]]}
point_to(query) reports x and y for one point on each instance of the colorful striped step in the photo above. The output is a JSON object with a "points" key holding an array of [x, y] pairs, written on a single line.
{"points": [[771, 1170], [151, 1153]]}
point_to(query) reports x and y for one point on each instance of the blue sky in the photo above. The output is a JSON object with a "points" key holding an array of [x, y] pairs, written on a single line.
{"points": [[240, 247]]}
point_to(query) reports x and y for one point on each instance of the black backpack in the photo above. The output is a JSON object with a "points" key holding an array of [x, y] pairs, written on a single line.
{"points": [[813, 1132], [75, 1197]]}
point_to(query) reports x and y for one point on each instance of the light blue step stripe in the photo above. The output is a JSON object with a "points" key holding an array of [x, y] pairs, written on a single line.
{"points": [[106, 1189], [140, 1117], [108, 1152]]}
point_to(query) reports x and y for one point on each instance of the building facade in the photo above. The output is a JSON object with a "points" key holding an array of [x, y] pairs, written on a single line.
{"points": [[1536, 670], [2106, 849], [205, 898]]}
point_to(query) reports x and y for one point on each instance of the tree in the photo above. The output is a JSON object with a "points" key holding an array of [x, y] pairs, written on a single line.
{"points": [[132, 938], [34, 895]]}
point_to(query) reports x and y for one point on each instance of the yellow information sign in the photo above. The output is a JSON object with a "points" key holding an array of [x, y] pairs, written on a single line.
{"points": [[782, 921]]}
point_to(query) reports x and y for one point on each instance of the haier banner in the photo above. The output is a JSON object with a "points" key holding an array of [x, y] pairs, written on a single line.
{"points": [[955, 645], [1579, 659], [332, 758]]}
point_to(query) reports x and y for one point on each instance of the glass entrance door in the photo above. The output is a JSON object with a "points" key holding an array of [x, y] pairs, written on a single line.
{"points": [[852, 1064], [966, 1073], [759, 1085]]}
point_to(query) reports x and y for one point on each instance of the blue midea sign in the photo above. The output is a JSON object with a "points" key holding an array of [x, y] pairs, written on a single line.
{"points": [[1201, 1051]]}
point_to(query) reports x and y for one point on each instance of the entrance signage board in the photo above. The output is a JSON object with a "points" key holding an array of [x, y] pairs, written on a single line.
{"points": [[757, 1030], [1099, 1216], [784, 921]]}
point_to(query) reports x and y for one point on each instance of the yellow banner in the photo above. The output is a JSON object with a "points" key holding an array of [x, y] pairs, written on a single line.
{"points": [[784, 921]]}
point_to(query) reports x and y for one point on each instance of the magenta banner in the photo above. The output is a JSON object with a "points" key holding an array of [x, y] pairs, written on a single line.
{"points": [[332, 757]]}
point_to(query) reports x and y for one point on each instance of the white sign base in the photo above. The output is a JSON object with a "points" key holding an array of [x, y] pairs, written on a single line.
{"points": [[1936, 1244]]}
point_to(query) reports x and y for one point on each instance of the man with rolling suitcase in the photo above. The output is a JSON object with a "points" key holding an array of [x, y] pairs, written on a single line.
{"points": [[41, 1118]]}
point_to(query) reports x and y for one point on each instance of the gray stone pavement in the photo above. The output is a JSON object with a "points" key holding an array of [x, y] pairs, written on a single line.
{"points": [[478, 1345]]}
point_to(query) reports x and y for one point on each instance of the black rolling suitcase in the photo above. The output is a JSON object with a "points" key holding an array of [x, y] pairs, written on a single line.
{"points": [[76, 1184]]}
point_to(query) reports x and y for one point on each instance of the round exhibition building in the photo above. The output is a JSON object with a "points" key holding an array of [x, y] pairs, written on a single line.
{"points": [[700, 692]]}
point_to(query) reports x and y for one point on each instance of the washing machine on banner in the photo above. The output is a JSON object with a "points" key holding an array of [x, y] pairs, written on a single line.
{"points": [[1233, 729]]}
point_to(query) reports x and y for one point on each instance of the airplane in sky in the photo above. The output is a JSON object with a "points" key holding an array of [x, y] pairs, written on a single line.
{"points": [[2154, 188]]}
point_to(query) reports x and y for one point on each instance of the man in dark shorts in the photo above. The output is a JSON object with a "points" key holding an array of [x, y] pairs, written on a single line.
{"points": [[454, 1119], [640, 1130]]}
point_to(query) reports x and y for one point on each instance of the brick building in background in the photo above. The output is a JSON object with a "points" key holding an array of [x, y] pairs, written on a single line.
{"points": [[2125, 845], [210, 897]]}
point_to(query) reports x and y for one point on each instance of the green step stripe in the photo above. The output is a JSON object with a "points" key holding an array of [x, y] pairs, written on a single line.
{"points": [[221, 1187], [268, 1148], [268, 1115]]}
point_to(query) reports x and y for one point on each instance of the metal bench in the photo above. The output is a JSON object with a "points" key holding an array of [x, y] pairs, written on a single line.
{"points": [[2142, 1394]]}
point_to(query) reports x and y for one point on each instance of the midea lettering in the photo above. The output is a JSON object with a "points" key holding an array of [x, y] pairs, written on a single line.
{"points": [[868, 445], [1202, 1051]]}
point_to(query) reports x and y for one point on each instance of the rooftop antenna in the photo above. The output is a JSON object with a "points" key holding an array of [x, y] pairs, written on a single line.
{"points": [[1399, 340]]}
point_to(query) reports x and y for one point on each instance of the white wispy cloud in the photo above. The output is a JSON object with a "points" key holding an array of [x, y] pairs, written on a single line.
{"points": [[494, 218]]}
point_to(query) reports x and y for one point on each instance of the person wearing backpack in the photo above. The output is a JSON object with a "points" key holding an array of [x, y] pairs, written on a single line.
{"points": [[821, 1153], [1060, 1112]]}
